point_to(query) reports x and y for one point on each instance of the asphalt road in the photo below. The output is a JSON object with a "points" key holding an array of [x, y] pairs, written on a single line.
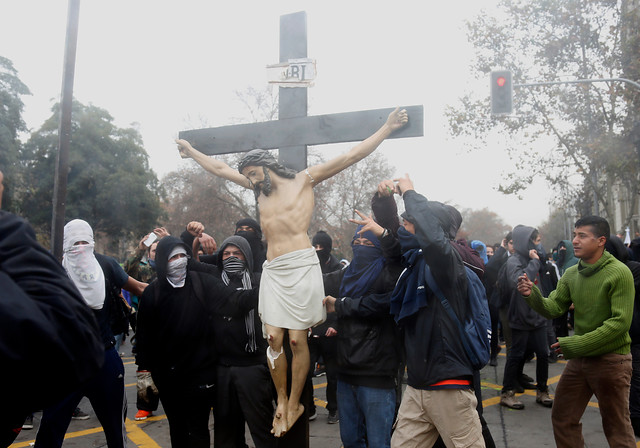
{"points": [[530, 427]]}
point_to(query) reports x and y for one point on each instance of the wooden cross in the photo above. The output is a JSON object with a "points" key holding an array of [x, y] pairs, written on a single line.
{"points": [[291, 134], [294, 130]]}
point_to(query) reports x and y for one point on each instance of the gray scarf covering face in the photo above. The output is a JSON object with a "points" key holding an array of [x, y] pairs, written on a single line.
{"points": [[235, 267]]}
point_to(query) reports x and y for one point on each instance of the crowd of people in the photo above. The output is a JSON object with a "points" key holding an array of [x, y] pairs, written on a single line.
{"points": [[238, 328]]}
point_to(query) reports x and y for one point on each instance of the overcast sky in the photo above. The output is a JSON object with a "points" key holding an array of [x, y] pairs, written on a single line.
{"points": [[163, 67]]}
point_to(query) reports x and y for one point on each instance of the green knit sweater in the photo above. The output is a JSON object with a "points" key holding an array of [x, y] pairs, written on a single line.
{"points": [[603, 295]]}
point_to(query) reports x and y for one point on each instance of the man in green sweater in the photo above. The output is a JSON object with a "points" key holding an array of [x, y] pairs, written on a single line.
{"points": [[602, 291]]}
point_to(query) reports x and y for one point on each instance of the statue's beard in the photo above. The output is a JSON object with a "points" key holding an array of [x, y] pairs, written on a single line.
{"points": [[263, 186]]}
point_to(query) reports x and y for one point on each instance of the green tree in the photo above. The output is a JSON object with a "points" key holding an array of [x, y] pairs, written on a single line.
{"points": [[11, 124], [337, 198], [556, 228], [483, 225], [110, 184], [194, 194], [572, 136]]}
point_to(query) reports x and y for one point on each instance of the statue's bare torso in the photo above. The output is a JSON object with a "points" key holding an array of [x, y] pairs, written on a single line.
{"points": [[285, 215]]}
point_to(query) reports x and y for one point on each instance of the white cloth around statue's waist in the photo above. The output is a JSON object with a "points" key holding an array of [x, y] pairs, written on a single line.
{"points": [[291, 291]]}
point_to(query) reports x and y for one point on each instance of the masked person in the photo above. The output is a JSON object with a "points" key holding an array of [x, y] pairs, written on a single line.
{"points": [[439, 399], [369, 349], [322, 338], [244, 390], [176, 339], [250, 230], [323, 244], [528, 327], [99, 279]]}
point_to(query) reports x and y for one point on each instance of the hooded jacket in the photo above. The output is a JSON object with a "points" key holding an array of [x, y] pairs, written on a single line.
{"points": [[175, 337], [569, 259], [234, 343], [434, 351], [369, 349], [521, 315]]}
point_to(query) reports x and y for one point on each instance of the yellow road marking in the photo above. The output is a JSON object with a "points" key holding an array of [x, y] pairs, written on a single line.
{"points": [[134, 432], [140, 438]]}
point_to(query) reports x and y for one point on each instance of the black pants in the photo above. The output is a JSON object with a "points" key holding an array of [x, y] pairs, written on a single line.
{"points": [[521, 339], [327, 348], [494, 312], [106, 395], [188, 408], [243, 394]]}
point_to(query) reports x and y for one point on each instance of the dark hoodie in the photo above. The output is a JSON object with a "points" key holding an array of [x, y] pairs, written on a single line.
{"points": [[255, 241], [434, 351], [521, 315], [566, 258], [615, 246], [175, 337], [236, 342]]}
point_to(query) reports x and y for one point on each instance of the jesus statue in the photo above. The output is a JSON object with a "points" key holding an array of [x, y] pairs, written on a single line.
{"points": [[291, 288]]}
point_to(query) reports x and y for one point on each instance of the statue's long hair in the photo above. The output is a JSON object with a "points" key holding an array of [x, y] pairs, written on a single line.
{"points": [[262, 157]]}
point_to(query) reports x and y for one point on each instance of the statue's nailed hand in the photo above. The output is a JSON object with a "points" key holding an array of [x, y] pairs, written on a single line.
{"points": [[397, 119], [184, 147]]}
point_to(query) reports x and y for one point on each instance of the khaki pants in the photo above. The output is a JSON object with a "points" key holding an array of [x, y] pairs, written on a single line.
{"points": [[425, 414], [609, 378]]}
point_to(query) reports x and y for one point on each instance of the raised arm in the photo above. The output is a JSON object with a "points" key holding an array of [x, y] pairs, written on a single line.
{"points": [[397, 119], [214, 166]]}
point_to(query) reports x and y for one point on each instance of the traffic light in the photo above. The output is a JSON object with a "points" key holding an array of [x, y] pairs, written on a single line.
{"points": [[501, 92]]}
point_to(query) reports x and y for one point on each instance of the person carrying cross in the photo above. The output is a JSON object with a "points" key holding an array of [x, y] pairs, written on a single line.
{"points": [[291, 290]]}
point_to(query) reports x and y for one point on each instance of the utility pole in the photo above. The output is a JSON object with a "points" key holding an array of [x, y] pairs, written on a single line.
{"points": [[64, 130]]}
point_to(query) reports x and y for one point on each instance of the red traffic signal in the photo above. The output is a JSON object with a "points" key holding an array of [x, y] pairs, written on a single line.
{"points": [[501, 92]]}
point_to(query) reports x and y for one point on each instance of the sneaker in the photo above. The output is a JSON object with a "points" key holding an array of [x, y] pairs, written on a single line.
{"points": [[79, 415], [142, 414], [542, 397], [508, 399], [28, 423], [333, 418], [493, 361], [313, 416], [319, 371]]}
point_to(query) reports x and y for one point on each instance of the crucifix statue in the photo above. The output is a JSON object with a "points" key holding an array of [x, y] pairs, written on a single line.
{"points": [[291, 288]]}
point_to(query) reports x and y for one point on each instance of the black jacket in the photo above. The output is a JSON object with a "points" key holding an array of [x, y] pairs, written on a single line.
{"points": [[521, 315], [233, 343], [434, 351], [369, 348], [49, 338], [175, 337]]}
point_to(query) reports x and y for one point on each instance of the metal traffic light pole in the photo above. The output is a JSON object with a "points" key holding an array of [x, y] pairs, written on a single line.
{"points": [[578, 81]]}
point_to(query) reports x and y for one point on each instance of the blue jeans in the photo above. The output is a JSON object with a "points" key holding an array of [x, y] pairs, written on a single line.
{"points": [[365, 411]]}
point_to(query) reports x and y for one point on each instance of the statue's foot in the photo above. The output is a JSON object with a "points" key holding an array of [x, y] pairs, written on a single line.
{"points": [[280, 426], [295, 411]]}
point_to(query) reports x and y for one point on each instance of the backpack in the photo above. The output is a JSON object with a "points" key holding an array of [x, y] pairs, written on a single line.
{"points": [[475, 332]]}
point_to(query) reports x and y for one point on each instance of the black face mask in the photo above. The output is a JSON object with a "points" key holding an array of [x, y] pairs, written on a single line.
{"points": [[248, 235], [562, 254], [323, 255]]}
